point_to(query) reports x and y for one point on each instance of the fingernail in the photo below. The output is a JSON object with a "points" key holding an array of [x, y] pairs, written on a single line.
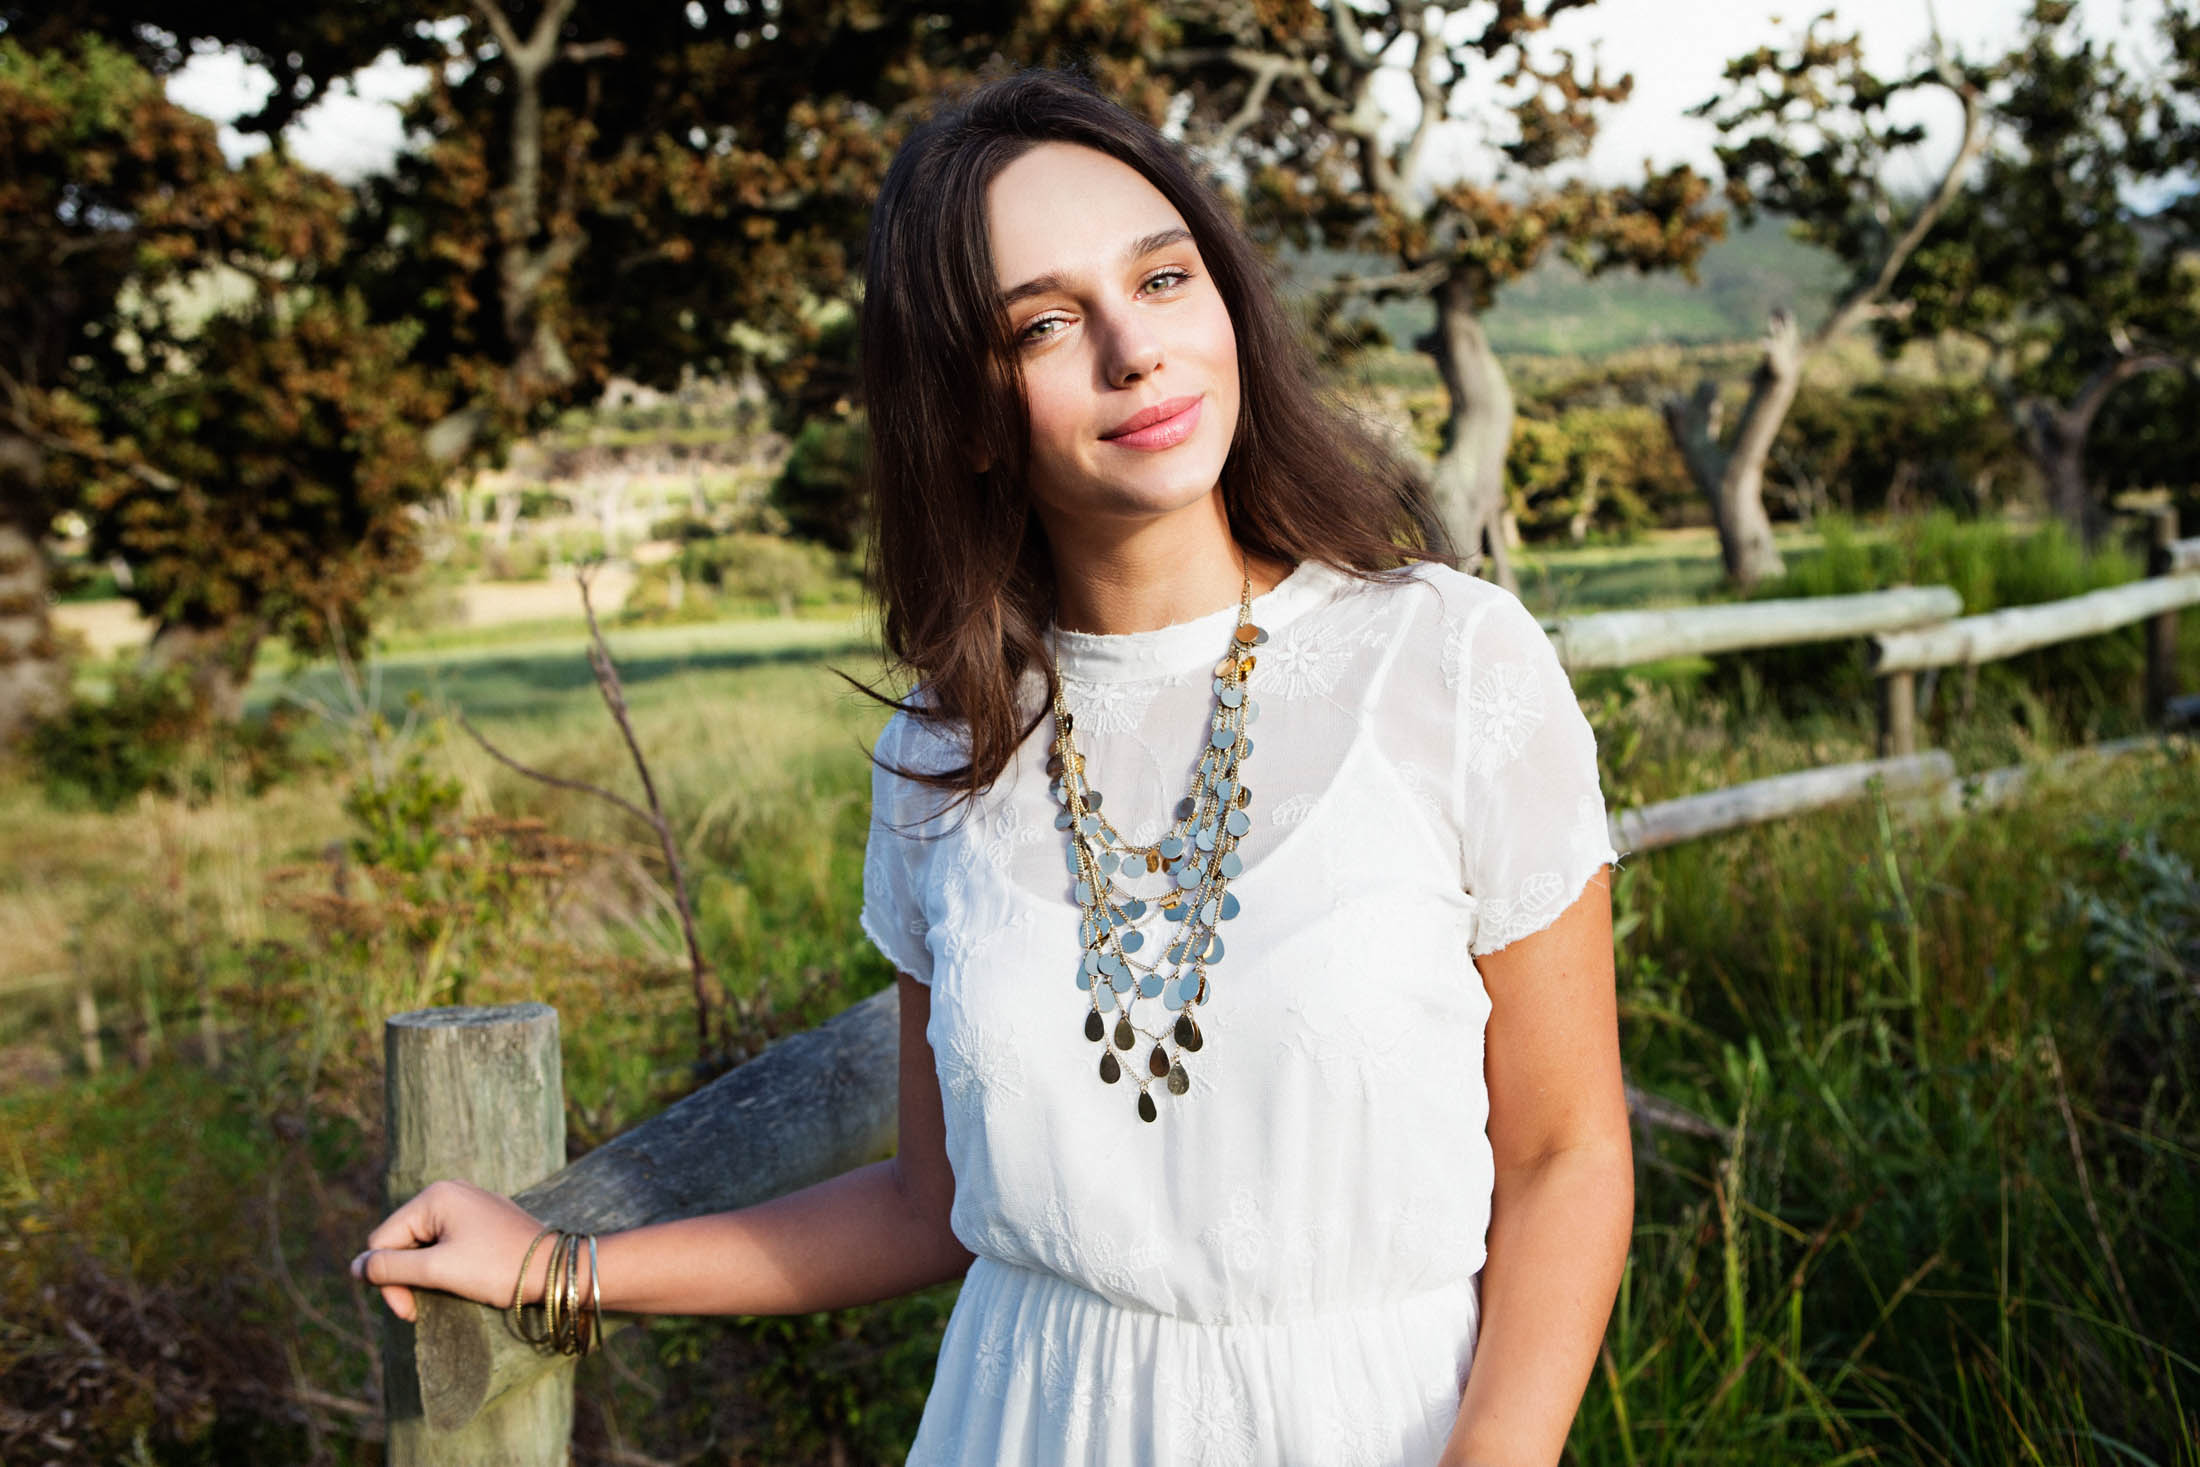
{"points": [[359, 1267]]}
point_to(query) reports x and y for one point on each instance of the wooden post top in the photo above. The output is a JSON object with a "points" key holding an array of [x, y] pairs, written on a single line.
{"points": [[475, 1016]]}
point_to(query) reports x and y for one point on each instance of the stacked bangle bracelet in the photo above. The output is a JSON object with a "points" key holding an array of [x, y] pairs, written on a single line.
{"points": [[561, 1322]]}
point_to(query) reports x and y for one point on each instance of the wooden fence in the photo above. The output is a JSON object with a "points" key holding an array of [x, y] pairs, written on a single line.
{"points": [[476, 1092]]}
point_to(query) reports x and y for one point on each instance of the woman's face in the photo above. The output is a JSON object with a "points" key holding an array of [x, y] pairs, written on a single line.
{"points": [[1129, 360]]}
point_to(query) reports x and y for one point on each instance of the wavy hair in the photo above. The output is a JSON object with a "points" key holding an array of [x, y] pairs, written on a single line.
{"points": [[962, 567]]}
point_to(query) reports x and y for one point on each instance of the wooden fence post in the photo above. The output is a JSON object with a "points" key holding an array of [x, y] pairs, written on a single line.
{"points": [[1897, 714], [2162, 631], [474, 1093]]}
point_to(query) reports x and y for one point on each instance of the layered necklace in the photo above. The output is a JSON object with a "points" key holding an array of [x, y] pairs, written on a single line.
{"points": [[1137, 949]]}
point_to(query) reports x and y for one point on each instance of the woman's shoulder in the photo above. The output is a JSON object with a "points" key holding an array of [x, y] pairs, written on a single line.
{"points": [[1450, 604]]}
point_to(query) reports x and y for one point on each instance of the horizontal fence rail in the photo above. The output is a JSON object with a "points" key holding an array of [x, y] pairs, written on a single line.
{"points": [[1652, 827], [2018, 629], [1607, 639]]}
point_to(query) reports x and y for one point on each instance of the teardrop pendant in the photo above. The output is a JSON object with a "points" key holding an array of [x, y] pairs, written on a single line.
{"points": [[1187, 1033], [1124, 1038], [1146, 1111], [1179, 1082], [1110, 1071], [1157, 1063], [1094, 1029]]}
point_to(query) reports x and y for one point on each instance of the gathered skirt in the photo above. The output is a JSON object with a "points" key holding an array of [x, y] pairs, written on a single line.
{"points": [[1036, 1371]]}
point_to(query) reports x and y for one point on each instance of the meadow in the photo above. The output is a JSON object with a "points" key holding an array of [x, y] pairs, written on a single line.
{"points": [[1935, 1204]]}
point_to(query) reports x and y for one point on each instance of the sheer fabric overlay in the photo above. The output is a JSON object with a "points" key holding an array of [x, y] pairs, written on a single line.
{"points": [[1281, 1269]]}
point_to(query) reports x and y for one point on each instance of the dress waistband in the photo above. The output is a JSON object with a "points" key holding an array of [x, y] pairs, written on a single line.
{"points": [[1442, 1299]]}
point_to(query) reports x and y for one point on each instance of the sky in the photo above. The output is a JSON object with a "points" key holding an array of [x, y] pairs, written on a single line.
{"points": [[1675, 50]]}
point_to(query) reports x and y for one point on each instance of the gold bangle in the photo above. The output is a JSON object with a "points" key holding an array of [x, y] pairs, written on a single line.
{"points": [[561, 1328], [519, 1289], [572, 1291]]}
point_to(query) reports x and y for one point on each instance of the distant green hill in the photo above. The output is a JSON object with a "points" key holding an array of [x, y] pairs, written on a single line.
{"points": [[1555, 311]]}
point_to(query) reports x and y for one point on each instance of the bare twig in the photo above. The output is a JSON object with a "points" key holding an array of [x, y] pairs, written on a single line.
{"points": [[614, 697]]}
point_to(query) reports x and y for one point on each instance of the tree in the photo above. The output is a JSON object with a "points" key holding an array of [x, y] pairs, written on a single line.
{"points": [[1808, 135], [2046, 260], [1286, 93]]}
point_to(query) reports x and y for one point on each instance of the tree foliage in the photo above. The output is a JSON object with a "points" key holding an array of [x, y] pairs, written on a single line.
{"points": [[2051, 258]]}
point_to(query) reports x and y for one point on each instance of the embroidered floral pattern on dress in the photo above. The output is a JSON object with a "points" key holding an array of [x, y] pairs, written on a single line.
{"points": [[1070, 1393], [1506, 919], [1305, 661], [1210, 1424], [992, 1366], [1109, 708], [1356, 1435], [976, 1063], [1293, 809], [1505, 707], [1004, 833], [1352, 1053]]}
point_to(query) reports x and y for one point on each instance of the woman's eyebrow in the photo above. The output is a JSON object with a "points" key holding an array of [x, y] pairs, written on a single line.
{"points": [[1160, 239]]}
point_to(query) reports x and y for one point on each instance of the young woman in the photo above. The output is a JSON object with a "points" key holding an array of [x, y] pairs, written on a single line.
{"points": [[1245, 870]]}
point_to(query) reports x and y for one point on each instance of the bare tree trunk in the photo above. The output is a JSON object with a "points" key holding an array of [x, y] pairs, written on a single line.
{"points": [[2056, 442], [1732, 479], [34, 679], [218, 661], [2054, 434], [1470, 472]]}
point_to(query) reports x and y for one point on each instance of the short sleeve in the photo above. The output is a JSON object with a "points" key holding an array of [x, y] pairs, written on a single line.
{"points": [[1533, 813], [894, 860]]}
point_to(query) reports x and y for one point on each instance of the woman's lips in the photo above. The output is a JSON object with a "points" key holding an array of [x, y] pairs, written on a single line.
{"points": [[1164, 425]]}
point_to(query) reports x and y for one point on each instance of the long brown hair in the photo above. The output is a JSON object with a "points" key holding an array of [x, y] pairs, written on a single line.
{"points": [[959, 558]]}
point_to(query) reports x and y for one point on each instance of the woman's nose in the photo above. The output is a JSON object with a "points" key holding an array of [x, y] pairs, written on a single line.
{"points": [[1131, 350]]}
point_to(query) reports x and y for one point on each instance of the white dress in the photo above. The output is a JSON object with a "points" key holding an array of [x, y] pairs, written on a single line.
{"points": [[1282, 1268]]}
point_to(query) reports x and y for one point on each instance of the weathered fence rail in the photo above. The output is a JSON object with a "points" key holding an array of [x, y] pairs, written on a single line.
{"points": [[1626, 638], [2018, 629]]}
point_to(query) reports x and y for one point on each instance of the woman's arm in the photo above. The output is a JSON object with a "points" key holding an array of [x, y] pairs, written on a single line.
{"points": [[868, 1234], [1564, 1204]]}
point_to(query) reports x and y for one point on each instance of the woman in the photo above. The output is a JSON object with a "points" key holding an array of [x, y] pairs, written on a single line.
{"points": [[1264, 1096]]}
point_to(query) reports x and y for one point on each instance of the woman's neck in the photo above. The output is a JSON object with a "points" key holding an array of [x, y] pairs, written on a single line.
{"points": [[1153, 573]]}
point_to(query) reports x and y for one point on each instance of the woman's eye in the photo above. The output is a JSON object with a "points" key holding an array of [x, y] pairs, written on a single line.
{"points": [[1032, 332], [1168, 279]]}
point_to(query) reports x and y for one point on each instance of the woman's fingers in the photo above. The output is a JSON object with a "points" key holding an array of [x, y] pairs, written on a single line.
{"points": [[416, 1224], [453, 1237], [384, 1268]]}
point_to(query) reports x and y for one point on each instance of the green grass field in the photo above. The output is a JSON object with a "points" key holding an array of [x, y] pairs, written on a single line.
{"points": [[1947, 1216]]}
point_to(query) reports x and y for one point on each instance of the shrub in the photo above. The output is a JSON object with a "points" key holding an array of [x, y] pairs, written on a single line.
{"points": [[1598, 468], [152, 733], [730, 574], [1898, 445], [821, 490]]}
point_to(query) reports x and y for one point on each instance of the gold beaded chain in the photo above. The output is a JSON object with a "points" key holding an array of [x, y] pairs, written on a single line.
{"points": [[1198, 851]]}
